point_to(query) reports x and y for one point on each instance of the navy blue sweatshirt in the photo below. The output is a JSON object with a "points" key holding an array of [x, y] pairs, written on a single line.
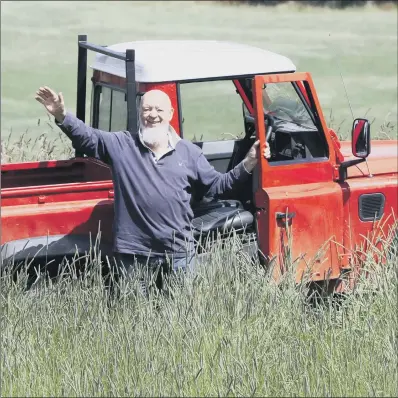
{"points": [[152, 198]]}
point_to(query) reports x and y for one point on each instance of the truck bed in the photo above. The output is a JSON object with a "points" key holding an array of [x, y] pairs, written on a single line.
{"points": [[30, 174]]}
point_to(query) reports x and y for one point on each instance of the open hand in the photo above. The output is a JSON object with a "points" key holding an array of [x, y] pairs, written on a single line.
{"points": [[252, 156], [53, 102], [254, 150]]}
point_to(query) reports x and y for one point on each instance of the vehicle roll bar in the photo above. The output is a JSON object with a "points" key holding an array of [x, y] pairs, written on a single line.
{"points": [[128, 57]]}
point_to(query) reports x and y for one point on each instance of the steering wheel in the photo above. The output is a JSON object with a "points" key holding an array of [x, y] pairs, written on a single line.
{"points": [[270, 124]]}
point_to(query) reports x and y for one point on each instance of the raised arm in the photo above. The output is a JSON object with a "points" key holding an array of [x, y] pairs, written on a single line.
{"points": [[219, 183], [90, 141]]}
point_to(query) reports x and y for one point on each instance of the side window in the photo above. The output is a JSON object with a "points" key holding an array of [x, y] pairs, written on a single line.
{"points": [[282, 101], [295, 135], [104, 108], [110, 109], [119, 111], [211, 111]]}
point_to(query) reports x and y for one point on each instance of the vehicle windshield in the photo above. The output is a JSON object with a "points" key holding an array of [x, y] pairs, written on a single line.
{"points": [[283, 103]]}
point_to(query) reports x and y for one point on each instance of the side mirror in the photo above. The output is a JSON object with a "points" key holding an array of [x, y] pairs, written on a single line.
{"points": [[360, 138]]}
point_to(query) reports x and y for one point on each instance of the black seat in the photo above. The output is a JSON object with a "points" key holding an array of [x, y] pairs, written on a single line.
{"points": [[221, 215]]}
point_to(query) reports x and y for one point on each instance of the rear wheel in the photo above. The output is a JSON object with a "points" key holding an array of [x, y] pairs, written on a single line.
{"points": [[51, 268], [322, 292]]}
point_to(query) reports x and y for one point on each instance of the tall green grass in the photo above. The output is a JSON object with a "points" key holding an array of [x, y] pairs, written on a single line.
{"points": [[227, 330]]}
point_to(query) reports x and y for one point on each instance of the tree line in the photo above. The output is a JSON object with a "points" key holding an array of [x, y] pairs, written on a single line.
{"points": [[319, 3]]}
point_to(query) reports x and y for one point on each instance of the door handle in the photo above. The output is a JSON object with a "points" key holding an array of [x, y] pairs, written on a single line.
{"points": [[282, 216]]}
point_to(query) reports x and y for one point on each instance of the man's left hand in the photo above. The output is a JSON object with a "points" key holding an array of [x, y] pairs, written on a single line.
{"points": [[251, 158]]}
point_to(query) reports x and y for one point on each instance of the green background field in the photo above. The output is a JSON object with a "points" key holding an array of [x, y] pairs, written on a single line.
{"points": [[229, 331], [38, 43]]}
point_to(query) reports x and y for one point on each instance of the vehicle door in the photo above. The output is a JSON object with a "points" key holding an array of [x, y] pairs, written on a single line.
{"points": [[299, 206]]}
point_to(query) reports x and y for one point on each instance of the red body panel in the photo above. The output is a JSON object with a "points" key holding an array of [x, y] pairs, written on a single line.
{"points": [[64, 217], [356, 229], [318, 223], [383, 159], [53, 208], [76, 196], [325, 228]]}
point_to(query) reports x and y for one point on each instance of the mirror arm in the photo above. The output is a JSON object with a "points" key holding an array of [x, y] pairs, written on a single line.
{"points": [[345, 165]]}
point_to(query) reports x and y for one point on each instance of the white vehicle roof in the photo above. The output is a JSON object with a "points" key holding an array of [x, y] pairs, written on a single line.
{"points": [[176, 60]]}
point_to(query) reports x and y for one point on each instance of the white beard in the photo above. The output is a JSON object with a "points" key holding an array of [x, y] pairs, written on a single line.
{"points": [[155, 136]]}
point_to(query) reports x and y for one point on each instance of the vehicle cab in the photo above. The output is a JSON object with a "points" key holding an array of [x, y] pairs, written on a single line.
{"points": [[225, 96], [323, 199]]}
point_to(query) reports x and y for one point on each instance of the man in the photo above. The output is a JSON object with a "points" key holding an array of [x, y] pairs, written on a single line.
{"points": [[152, 173]]}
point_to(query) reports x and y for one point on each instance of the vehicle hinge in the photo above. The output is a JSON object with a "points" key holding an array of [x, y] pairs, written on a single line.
{"points": [[282, 216], [111, 194], [41, 199], [345, 262], [259, 212], [336, 172]]}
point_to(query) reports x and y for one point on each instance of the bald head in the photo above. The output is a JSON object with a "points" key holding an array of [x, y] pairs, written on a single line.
{"points": [[157, 96], [155, 109]]}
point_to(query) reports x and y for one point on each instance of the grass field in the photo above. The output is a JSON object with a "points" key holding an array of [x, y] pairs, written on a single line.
{"points": [[38, 42], [229, 331], [226, 332]]}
